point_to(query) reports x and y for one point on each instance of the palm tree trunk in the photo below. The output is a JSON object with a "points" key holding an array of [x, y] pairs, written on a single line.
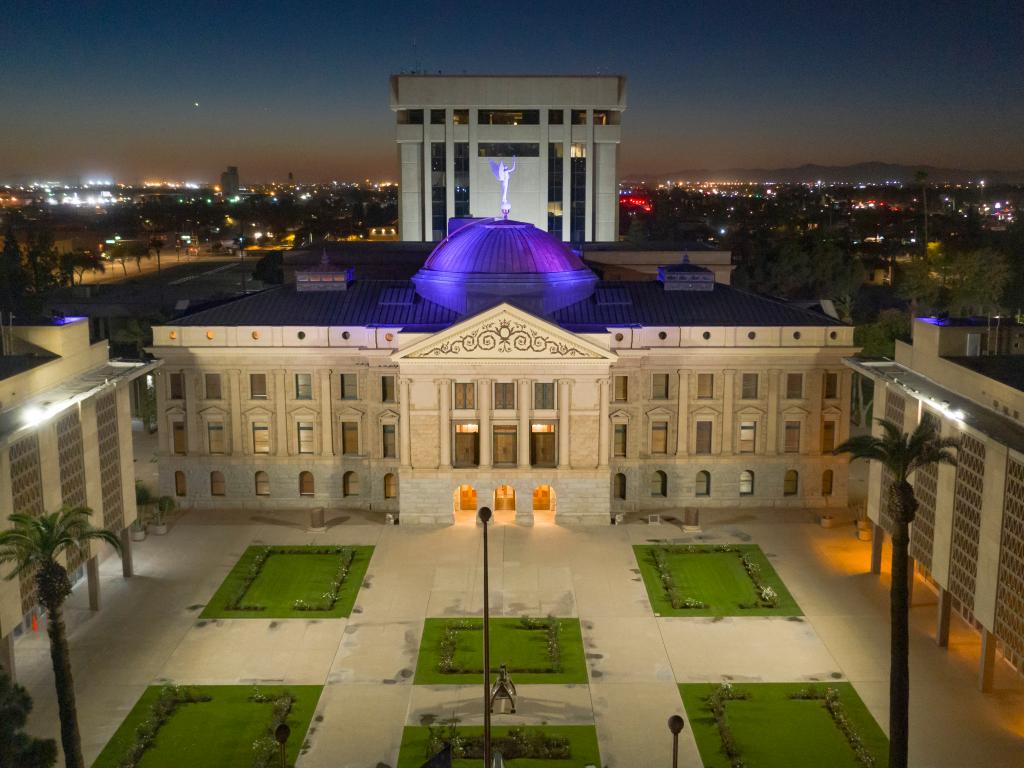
{"points": [[899, 669], [70, 739]]}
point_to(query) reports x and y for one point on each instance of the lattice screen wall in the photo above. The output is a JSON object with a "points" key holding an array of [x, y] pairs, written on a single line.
{"points": [[71, 460], [895, 407], [922, 533], [1010, 598], [963, 556], [27, 499], [110, 462]]}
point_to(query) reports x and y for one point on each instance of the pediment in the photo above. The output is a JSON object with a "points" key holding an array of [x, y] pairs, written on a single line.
{"points": [[504, 332], [659, 413]]}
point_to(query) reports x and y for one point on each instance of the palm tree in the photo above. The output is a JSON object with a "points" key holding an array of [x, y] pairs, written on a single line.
{"points": [[34, 545], [902, 455]]}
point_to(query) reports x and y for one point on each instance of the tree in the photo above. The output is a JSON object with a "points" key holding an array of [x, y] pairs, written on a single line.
{"points": [[156, 244], [921, 177], [81, 262], [269, 269], [43, 260], [878, 339], [17, 748], [135, 334], [957, 281], [12, 272], [34, 545], [138, 251], [902, 455], [119, 253]]}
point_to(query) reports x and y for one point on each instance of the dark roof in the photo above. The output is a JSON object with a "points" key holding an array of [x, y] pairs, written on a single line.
{"points": [[372, 303], [1006, 369]]}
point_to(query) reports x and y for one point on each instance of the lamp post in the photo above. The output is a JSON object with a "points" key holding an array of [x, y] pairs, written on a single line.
{"points": [[281, 734], [676, 725], [485, 517]]}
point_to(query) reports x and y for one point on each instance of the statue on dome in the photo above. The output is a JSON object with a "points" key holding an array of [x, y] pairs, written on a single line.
{"points": [[503, 173]]}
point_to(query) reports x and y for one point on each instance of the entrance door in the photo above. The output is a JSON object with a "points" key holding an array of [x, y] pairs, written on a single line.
{"points": [[505, 499]]}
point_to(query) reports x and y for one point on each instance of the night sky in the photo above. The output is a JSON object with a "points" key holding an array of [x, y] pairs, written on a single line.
{"points": [[109, 89]]}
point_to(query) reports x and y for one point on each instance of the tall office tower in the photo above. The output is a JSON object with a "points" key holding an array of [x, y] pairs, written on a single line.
{"points": [[229, 181]]}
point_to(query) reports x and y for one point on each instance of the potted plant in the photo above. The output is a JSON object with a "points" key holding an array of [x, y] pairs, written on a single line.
{"points": [[164, 505], [864, 530], [143, 502]]}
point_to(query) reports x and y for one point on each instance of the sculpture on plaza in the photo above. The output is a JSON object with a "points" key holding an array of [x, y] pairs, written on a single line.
{"points": [[503, 173]]}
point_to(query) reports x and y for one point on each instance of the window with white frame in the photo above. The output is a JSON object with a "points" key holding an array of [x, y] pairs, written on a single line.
{"points": [[306, 443]]}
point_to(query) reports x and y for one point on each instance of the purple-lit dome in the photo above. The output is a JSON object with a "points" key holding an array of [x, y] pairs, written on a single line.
{"points": [[492, 260]]}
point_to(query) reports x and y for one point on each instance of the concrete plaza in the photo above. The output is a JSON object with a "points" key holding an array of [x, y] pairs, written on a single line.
{"points": [[148, 631]]}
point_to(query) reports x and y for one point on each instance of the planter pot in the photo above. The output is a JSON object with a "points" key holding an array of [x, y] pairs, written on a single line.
{"points": [[864, 535], [863, 525], [158, 528], [138, 534], [827, 521]]}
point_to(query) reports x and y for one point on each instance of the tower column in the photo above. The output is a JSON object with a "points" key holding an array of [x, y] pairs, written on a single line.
{"points": [[445, 421], [683, 418], [564, 400], [404, 427], [604, 427], [525, 403], [483, 402]]}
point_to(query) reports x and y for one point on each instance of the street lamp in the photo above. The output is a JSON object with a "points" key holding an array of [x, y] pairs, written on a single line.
{"points": [[281, 734], [485, 518], [676, 725]]}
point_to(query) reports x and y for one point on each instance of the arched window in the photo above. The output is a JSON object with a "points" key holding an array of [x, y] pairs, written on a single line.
{"points": [[659, 483], [262, 483], [791, 483], [620, 486], [746, 483], [826, 483], [350, 484], [180, 486], [702, 483], [390, 486], [702, 486], [216, 483], [306, 484]]}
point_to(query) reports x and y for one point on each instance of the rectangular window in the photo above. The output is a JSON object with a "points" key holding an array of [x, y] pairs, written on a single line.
{"points": [[465, 395], [556, 117], [543, 395], [460, 116], [659, 437], [303, 386], [387, 389], [828, 436], [543, 442], [260, 438], [505, 444], [578, 193], [704, 437], [659, 386], [389, 448], [556, 199], [212, 382], [831, 386], [749, 386], [180, 437], [410, 117], [794, 386], [748, 436], [705, 386], [606, 117], [258, 386], [437, 117], [438, 191], [349, 387], [176, 385], [467, 445], [305, 436], [461, 179], [792, 444], [619, 444], [215, 437], [507, 150], [579, 117], [349, 438], [508, 117], [504, 396], [621, 394]]}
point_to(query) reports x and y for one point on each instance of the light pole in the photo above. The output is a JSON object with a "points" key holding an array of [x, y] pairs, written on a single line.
{"points": [[281, 734], [676, 725], [485, 517]]}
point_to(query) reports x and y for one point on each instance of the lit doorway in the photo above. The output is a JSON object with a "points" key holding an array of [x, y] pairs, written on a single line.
{"points": [[465, 505], [504, 504], [544, 505]]}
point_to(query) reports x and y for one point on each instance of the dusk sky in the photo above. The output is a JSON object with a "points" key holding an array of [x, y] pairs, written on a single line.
{"points": [[109, 89]]}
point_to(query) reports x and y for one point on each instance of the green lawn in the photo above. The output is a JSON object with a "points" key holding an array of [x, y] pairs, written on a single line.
{"points": [[286, 577], [717, 579], [213, 734], [521, 649], [582, 738], [774, 731]]}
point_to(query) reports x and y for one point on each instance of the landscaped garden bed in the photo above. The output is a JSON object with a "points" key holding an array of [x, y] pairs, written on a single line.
{"points": [[781, 725], [543, 746], [211, 726], [548, 650], [712, 580], [291, 583]]}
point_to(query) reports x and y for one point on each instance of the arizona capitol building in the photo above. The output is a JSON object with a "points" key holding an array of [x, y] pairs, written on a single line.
{"points": [[505, 373]]}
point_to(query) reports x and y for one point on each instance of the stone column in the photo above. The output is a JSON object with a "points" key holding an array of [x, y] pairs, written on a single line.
{"points": [[444, 417], [942, 620], [564, 401], [7, 656], [127, 567], [728, 417], [326, 418], [683, 418], [603, 449], [483, 403], [235, 393], [525, 403], [772, 428], [192, 422], [92, 576], [404, 425], [280, 405], [987, 663], [813, 392], [163, 428]]}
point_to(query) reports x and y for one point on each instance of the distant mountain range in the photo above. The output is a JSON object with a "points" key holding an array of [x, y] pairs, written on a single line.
{"points": [[867, 173]]}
